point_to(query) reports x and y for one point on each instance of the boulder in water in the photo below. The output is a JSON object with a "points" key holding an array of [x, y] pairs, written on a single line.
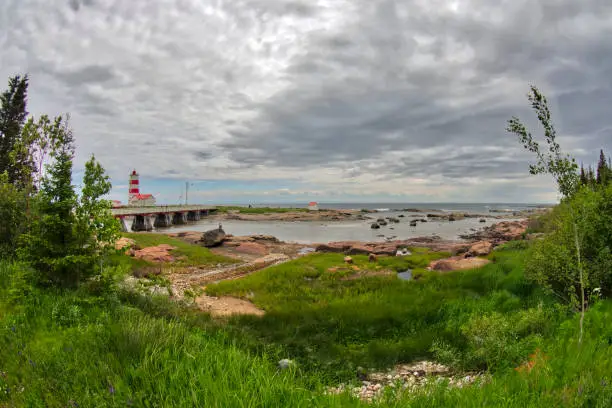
{"points": [[213, 238]]}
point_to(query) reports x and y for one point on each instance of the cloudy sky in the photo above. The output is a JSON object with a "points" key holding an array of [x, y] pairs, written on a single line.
{"points": [[326, 100]]}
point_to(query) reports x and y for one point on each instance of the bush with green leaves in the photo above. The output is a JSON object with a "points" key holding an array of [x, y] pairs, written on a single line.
{"points": [[13, 203], [69, 234], [580, 240]]}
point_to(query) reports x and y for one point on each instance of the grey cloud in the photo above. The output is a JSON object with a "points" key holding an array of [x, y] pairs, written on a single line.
{"points": [[277, 87], [75, 5], [85, 75], [361, 113], [203, 155]]}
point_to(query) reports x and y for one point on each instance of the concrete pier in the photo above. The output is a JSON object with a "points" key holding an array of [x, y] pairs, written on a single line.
{"points": [[162, 220], [160, 216], [179, 218], [193, 216], [124, 225], [142, 223]]}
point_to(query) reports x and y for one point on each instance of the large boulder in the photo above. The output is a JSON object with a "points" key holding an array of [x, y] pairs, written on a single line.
{"points": [[333, 247], [458, 263], [510, 230], [159, 253], [213, 238], [252, 248], [125, 243], [375, 248], [480, 248]]}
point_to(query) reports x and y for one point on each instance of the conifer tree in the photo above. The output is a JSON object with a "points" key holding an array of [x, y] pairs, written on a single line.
{"points": [[603, 171], [591, 177], [48, 247], [583, 177], [13, 113]]}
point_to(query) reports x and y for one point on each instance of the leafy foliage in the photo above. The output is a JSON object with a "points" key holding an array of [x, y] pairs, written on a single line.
{"points": [[553, 260], [51, 244], [13, 220], [62, 235], [70, 233], [551, 161]]}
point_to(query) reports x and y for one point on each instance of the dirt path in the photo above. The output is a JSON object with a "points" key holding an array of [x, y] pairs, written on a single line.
{"points": [[187, 278], [227, 306]]}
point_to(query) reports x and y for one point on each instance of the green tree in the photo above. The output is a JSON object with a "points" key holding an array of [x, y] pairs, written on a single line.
{"points": [[49, 245], [603, 171], [97, 228], [584, 223], [561, 167], [13, 113], [583, 176], [552, 262], [13, 219], [591, 177], [69, 234]]}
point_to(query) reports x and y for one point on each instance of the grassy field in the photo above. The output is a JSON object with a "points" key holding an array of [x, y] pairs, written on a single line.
{"points": [[73, 349], [187, 254], [332, 324], [259, 210], [103, 347]]}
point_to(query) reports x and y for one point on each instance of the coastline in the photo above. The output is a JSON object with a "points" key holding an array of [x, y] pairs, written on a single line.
{"points": [[290, 214]]}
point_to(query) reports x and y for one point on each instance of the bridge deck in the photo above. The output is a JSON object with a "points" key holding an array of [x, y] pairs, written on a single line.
{"points": [[159, 209]]}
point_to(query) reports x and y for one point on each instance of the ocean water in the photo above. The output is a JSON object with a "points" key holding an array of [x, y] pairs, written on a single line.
{"points": [[470, 208], [357, 230]]}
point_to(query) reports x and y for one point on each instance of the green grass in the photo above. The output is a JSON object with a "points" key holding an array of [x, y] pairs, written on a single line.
{"points": [[332, 324], [104, 347], [187, 254], [259, 210], [61, 349]]}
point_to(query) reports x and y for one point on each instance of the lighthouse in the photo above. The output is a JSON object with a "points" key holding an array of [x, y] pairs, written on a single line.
{"points": [[134, 188], [134, 196]]}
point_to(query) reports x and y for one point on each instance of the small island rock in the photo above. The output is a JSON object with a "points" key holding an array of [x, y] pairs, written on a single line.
{"points": [[213, 237]]}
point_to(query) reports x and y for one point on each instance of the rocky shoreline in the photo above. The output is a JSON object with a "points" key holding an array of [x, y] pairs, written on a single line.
{"points": [[256, 252], [365, 215], [249, 248]]}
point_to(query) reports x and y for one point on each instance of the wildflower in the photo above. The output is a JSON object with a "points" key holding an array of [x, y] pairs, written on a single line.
{"points": [[597, 290], [32, 363], [13, 329], [111, 389]]}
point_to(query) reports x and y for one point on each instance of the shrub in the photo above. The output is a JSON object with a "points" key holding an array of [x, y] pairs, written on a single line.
{"points": [[580, 242]]}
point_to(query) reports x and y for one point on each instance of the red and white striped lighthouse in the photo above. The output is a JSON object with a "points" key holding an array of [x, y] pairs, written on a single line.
{"points": [[134, 187]]}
